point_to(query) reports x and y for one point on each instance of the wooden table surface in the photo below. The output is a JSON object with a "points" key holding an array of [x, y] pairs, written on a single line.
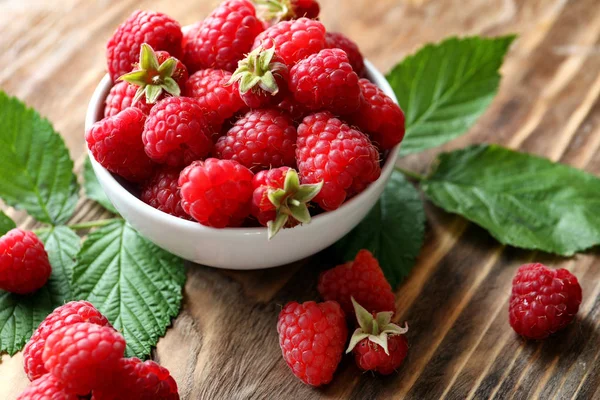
{"points": [[224, 343]]}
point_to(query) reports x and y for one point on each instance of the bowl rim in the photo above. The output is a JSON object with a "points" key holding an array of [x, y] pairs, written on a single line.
{"points": [[95, 107]]}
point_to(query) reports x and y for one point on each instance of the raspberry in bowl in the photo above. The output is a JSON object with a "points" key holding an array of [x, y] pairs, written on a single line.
{"points": [[223, 230]]}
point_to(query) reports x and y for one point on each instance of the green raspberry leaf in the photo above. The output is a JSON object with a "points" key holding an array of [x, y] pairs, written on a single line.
{"points": [[522, 200], [444, 88], [21, 315], [137, 285], [394, 230], [92, 187], [36, 171], [6, 224]]}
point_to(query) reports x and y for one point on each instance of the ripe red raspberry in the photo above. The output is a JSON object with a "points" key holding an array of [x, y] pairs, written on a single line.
{"points": [[176, 132], [83, 355], [362, 279], [137, 380], [378, 344], [216, 192], [379, 116], [279, 200], [24, 264], [293, 40], [48, 387], [259, 140], [162, 192], [225, 37], [336, 40], [312, 337], [329, 150], [121, 96], [68, 314], [219, 100], [327, 81], [190, 33], [274, 11], [543, 300], [261, 78], [116, 143], [158, 30]]}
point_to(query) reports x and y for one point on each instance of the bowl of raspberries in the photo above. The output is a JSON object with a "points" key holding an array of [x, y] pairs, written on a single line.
{"points": [[251, 139]]}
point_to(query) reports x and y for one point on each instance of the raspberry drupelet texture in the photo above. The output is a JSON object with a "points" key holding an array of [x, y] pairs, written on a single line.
{"points": [[362, 279], [370, 356], [225, 36], [543, 300], [312, 337], [24, 264], [273, 11], [158, 30], [176, 132], [139, 380], [336, 40], [48, 387], [259, 140], [294, 109], [68, 314], [379, 116], [218, 100], [293, 40], [190, 33], [216, 192], [162, 192], [116, 143], [121, 96], [83, 355], [326, 81], [343, 158]]}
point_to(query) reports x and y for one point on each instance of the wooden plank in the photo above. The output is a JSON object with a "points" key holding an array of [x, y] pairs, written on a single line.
{"points": [[224, 343]]}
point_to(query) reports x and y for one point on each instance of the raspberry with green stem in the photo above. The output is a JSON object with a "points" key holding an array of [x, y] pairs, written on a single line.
{"points": [[274, 11], [153, 78]]}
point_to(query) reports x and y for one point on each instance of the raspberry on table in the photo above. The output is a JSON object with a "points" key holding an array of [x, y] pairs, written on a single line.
{"points": [[68, 314], [543, 300], [162, 192], [134, 379], [273, 11], [312, 337], [218, 100], [336, 40], [361, 279], [377, 344], [116, 143], [47, 387], [176, 132], [121, 97], [24, 264], [279, 200], [158, 30], [343, 158], [261, 139], [83, 355], [225, 36], [216, 193], [379, 116], [326, 81], [293, 40]]}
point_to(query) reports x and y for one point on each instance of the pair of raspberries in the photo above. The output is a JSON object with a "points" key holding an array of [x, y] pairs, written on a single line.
{"points": [[76, 352], [247, 118]]}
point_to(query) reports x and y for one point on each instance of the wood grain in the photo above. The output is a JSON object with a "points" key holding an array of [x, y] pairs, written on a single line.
{"points": [[224, 344]]}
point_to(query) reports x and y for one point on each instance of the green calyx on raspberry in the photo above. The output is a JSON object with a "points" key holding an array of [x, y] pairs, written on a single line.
{"points": [[291, 201], [274, 11], [151, 78], [258, 69], [376, 329]]}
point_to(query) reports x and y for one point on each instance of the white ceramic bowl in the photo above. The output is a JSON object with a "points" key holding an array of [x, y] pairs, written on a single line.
{"points": [[238, 248]]}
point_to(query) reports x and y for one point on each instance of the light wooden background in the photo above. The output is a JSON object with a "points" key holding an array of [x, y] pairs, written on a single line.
{"points": [[224, 343]]}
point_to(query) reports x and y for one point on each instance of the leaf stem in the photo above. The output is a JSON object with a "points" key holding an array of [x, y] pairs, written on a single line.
{"points": [[411, 174], [82, 225]]}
